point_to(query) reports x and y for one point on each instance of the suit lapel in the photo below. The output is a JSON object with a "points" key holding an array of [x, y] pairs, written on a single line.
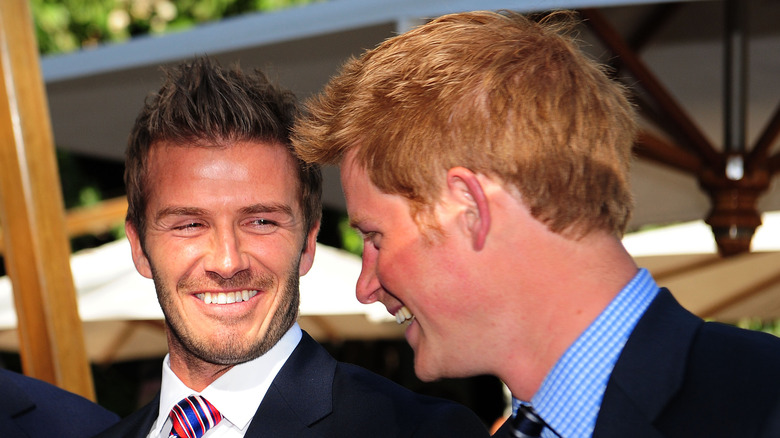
{"points": [[139, 423], [505, 431], [649, 371], [300, 395]]}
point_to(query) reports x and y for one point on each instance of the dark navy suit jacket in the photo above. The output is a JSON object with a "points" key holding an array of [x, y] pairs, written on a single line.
{"points": [[679, 376], [30, 408], [315, 396]]}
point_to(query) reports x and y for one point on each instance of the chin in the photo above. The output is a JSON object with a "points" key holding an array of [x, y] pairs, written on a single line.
{"points": [[430, 371], [425, 377], [425, 371]]}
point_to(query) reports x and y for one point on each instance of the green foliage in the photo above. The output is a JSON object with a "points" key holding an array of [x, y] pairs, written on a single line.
{"points": [[350, 239], [67, 25], [772, 327], [89, 195]]}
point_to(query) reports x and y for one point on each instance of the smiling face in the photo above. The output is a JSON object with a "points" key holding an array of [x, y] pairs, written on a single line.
{"points": [[424, 280], [225, 245]]}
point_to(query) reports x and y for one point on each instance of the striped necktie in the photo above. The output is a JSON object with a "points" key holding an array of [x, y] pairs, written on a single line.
{"points": [[527, 423], [192, 417]]}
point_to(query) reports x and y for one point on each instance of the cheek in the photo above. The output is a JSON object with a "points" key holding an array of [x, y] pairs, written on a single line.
{"points": [[445, 282], [178, 259], [413, 277], [175, 260], [397, 267], [280, 262]]}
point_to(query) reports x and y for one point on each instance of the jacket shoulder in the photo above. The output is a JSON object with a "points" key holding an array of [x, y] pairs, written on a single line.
{"points": [[733, 379], [41, 408], [315, 395], [136, 424], [681, 376], [397, 411]]}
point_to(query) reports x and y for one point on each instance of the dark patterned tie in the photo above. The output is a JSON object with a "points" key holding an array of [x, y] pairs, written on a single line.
{"points": [[527, 423], [192, 417]]}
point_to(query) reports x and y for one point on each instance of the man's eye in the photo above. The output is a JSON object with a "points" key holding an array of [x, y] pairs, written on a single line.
{"points": [[371, 238], [263, 222], [188, 226], [263, 226]]}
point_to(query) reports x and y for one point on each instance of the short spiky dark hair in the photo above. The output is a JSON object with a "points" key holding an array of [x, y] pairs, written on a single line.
{"points": [[203, 104]]}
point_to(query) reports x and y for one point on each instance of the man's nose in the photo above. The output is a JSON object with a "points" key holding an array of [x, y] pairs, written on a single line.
{"points": [[227, 256], [368, 287]]}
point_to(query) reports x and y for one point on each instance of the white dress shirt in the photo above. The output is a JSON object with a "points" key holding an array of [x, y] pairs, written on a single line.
{"points": [[236, 394]]}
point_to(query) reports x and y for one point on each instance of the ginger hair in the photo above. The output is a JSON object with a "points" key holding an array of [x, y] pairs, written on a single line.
{"points": [[498, 93]]}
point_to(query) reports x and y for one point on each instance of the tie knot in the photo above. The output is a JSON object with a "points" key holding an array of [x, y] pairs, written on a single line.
{"points": [[527, 423], [192, 417]]}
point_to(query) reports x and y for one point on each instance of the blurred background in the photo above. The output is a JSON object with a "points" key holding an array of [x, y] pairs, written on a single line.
{"points": [[703, 75]]}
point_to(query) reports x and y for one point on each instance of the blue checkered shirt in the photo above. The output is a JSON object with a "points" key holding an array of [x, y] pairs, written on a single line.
{"points": [[570, 395]]}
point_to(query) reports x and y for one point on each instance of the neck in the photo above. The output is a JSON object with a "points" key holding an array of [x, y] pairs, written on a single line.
{"points": [[560, 302], [194, 372]]}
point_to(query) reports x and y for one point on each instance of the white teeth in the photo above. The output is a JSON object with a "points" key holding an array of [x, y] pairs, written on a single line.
{"points": [[226, 297], [402, 315]]}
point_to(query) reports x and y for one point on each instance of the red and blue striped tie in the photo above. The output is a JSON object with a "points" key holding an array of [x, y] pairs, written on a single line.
{"points": [[192, 417]]}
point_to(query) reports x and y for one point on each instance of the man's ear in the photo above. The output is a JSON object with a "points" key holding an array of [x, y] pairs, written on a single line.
{"points": [[466, 190], [307, 257], [139, 256]]}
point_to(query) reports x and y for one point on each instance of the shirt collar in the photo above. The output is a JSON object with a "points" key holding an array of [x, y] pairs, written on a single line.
{"points": [[237, 393], [570, 395]]}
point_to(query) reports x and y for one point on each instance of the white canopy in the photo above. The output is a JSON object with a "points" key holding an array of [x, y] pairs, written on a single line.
{"points": [[684, 259]]}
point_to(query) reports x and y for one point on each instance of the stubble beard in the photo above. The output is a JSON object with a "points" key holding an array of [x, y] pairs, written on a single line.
{"points": [[231, 350]]}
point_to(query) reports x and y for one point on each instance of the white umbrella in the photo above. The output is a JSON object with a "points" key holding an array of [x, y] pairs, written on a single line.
{"points": [[684, 258], [122, 318]]}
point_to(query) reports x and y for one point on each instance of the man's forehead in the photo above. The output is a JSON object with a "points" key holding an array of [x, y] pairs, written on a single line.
{"points": [[350, 164], [255, 163], [161, 151]]}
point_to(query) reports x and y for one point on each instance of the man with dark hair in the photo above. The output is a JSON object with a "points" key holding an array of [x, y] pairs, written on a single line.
{"points": [[224, 218], [485, 159]]}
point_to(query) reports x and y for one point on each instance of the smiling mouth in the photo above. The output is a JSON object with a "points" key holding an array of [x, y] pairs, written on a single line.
{"points": [[226, 297], [403, 314]]}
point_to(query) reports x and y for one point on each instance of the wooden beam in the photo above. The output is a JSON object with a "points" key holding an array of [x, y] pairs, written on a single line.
{"points": [[764, 143], [652, 147], [649, 113], [659, 15], [31, 210], [668, 105], [773, 164], [95, 219]]}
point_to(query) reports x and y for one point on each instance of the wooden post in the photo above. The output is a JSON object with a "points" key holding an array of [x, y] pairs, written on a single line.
{"points": [[32, 213]]}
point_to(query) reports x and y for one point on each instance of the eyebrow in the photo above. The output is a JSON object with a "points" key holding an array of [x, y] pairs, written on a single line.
{"points": [[251, 209], [179, 211], [268, 208], [355, 222]]}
